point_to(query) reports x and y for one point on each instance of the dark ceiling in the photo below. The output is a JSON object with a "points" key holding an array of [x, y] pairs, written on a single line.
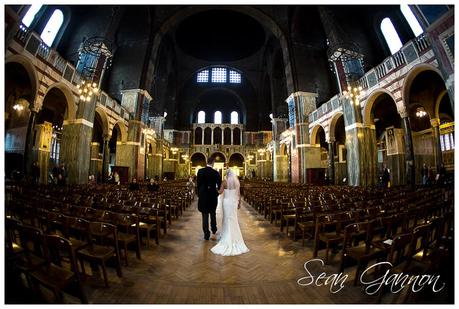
{"points": [[220, 35]]}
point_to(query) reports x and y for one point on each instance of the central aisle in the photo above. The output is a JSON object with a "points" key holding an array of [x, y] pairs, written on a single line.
{"points": [[183, 270]]}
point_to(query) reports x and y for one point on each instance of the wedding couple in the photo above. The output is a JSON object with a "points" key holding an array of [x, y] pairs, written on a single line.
{"points": [[210, 187]]}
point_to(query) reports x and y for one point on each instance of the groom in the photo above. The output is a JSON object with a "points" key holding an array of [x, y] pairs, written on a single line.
{"points": [[208, 183]]}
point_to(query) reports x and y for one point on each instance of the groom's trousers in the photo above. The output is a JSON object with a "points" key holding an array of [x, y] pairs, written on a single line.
{"points": [[205, 223]]}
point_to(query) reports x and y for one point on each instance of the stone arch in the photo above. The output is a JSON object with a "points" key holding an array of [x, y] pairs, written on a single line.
{"points": [[219, 153], [31, 70], [315, 131], [411, 75], [69, 98], [255, 13], [371, 101], [332, 123], [104, 118], [438, 102], [198, 153], [123, 130]]}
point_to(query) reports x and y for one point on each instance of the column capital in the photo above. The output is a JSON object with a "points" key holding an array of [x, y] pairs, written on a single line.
{"points": [[401, 109], [331, 140], [301, 94], [435, 122]]}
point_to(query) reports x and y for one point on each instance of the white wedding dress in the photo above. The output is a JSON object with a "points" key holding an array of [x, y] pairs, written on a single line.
{"points": [[231, 241]]}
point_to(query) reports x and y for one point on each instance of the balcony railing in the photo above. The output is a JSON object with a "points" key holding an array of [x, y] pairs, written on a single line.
{"points": [[408, 53], [33, 44]]}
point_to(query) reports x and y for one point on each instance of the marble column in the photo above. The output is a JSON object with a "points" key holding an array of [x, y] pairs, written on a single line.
{"points": [[435, 122], [94, 164], [137, 102], [28, 153], [232, 137], [409, 152], [300, 105], [105, 158], [279, 160], [76, 142], [42, 148], [331, 161], [158, 125], [212, 137], [357, 149]]}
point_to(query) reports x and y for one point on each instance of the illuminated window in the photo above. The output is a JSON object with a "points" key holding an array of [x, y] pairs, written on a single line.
{"points": [[203, 76], [234, 118], [447, 141], [391, 36], [234, 77], [52, 27], [30, 15], [411, 19], [201, 117], [218, 75], [218, 117]]}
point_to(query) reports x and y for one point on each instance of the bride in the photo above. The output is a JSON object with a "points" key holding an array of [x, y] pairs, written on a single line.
{"points": [[231, 242]]}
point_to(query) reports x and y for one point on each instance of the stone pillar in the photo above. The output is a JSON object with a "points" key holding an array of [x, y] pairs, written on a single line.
{"points": [[357, 149], [28, 153], [158, 125], [331, 161], [76, 142], [202, 137], [137, 102], [279, 160], [105, 157], [212, 137], [409, 150], [232, 137], [43, 147], [300, 105], [435, 122], [94, 164]]}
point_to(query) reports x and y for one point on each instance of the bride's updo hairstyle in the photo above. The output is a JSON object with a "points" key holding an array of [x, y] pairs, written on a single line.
{"points": [[231, 180]]}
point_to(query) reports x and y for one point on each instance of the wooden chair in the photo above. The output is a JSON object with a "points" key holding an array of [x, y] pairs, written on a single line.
{"points": [[304, 223], [149, 221], [53, 275], [106, 247], [329, 230], [361, 253], [128, 232]]}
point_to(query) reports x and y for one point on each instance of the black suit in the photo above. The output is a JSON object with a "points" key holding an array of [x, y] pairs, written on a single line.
{"points": [[208, 183]]}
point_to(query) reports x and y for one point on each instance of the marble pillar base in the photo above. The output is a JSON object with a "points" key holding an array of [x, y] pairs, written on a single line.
{"points": [[280, 166]]}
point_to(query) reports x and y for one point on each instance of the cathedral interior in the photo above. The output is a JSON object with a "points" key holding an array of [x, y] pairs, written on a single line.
{"points": [[337, 119]]}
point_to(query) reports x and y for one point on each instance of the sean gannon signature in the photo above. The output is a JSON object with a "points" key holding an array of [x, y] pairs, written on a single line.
{"points": [[396, 281]]}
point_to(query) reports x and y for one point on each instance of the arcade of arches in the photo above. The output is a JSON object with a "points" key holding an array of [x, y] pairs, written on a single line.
{"points": [[291, 97]]}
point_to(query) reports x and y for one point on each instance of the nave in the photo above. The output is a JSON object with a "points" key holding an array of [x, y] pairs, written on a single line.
{"points": [[181, 269]]}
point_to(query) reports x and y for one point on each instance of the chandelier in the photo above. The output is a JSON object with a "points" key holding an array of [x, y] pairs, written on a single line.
{"points": [[420, 112], [87, 90], [184, 157], [18, 107], [174, 150], [353, 94]]}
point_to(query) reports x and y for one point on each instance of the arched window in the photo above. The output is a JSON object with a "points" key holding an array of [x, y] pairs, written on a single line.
{"points": [[52, 27], [218, 117], [411, 19], [391, 35], [30, 15], [201, 117], [234, 118]]}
